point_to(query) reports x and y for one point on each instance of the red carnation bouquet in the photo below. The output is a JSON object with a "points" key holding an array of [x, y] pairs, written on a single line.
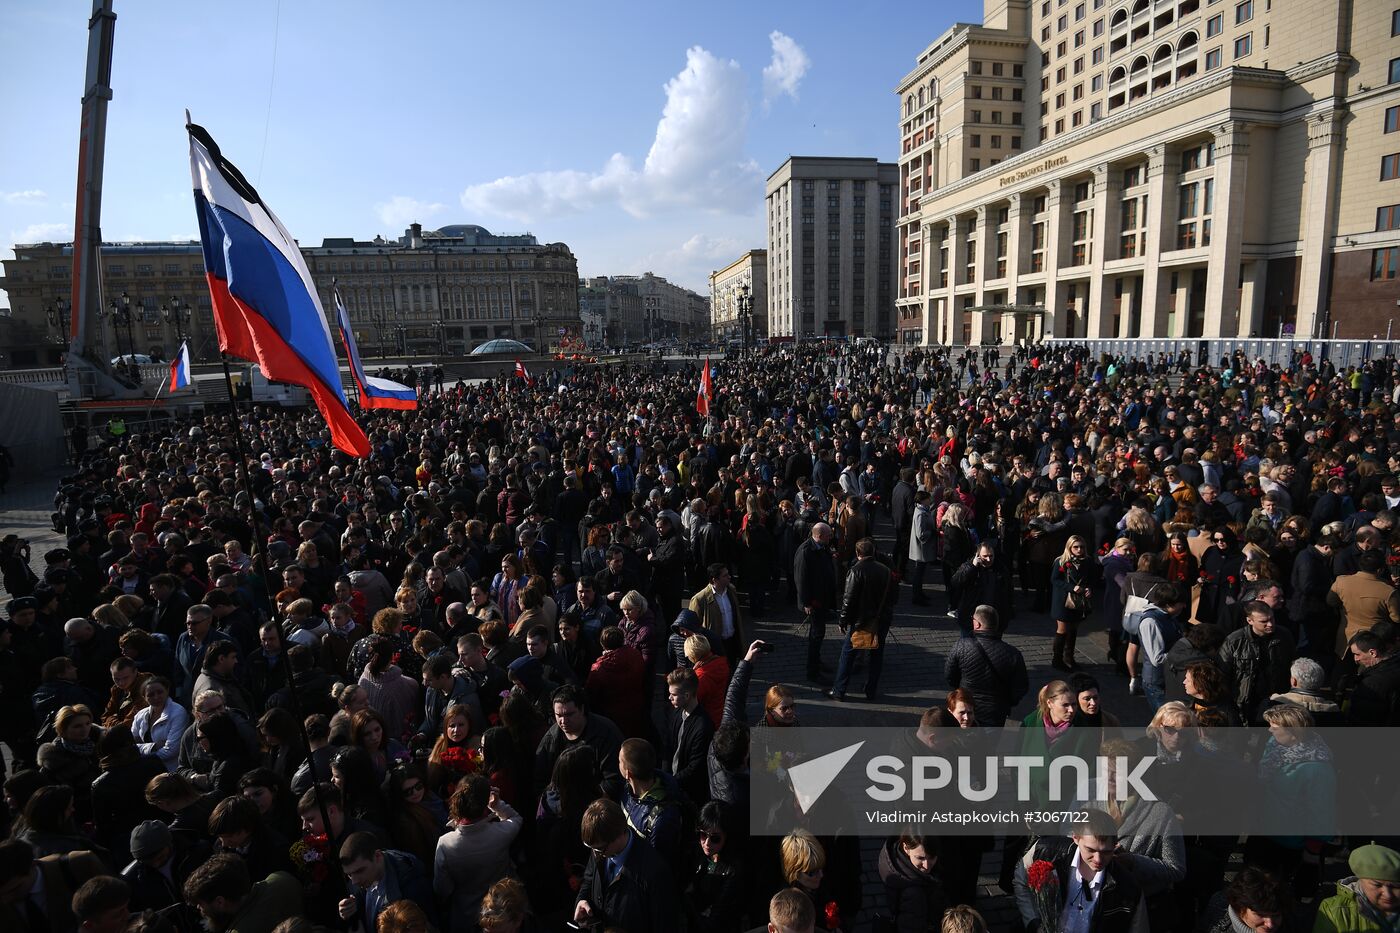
{"points": [[461, 761], [1045, 887], [311, 856], [832, 914]]}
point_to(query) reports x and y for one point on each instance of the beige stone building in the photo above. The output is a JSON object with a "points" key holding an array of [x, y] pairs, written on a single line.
{"points": [[749, 270], [151, 275], [831, 263], [442, 291], [448, 290], [1154, 168], [670, 313]]}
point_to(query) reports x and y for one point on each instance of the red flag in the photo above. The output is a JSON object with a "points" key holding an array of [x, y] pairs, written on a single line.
{"points": [[523, 373], [702, 397]]}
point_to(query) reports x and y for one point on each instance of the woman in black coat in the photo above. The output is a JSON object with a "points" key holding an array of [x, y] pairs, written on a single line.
{"points": [[219, 737], [119, 793], [1072, 580], [1222, 575], [907, 867]]}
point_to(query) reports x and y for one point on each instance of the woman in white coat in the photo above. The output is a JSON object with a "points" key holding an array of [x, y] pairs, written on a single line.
{"points": [[159, 727]]}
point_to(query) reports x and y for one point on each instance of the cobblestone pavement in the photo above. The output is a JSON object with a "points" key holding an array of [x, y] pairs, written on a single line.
{"points": [[912, 680]]}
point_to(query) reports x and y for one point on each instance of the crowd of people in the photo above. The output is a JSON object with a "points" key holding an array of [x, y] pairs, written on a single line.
{"points": [[497, 675]]}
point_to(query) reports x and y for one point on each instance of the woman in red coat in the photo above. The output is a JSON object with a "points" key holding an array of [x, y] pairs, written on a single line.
{"points": [[713, 672], [617, 685]]}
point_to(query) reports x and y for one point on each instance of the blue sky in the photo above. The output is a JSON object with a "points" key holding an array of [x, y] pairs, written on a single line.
{"points": [[638, 133]]}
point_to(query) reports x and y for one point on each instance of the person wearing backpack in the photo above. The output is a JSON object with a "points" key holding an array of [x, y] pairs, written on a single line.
{"points": [[1157, 629]]}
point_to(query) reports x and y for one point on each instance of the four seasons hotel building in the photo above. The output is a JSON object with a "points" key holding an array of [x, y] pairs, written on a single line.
{"points": [[1152, 168]]}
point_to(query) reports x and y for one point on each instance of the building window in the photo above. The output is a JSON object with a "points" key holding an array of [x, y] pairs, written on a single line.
{"points": [[1079, 12], [1395, 23], [1079, 38], [1394, 73], [997, 69], [1244, 12], [1096, 83], [1079, 65], [1390, 166], [976, 68], [1132, 177], [1078, 92], [1016, 118], [1059, 126], [1098, 28], [1060, 50], [1388, 217], [975, 165], [1392, 119], [1059, 100], [1062, 24], [1095, 112], [1213, 59], [1243, 45], [1384, 262], [996, 93], [1186, 236], [1015, 142], [1059, 75], [976, 142], [976, 116], [996, 116], [1077, 119], [1097, 56], [1083, 191], [1045, 34], [1018, 70], [1215, 25], [996, 142]]}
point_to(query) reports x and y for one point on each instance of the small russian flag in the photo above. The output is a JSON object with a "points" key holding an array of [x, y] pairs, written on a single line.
{"points": [[180, 368]]}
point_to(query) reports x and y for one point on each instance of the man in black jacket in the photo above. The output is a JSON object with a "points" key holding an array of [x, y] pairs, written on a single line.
{"points": [[1375, 699], [868, 604], [1312, 579], [575, 725], [1092, 878], [686, 744], [814, 574], [988, 668], [626, 885], [902, 514]]}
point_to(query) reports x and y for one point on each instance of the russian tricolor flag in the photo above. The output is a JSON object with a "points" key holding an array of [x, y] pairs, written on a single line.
{"points": [[374, 392], [180, 368], [265, 304]]}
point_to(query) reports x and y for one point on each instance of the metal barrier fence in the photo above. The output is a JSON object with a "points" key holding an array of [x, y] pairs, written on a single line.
{"points": [[1342, 353]]}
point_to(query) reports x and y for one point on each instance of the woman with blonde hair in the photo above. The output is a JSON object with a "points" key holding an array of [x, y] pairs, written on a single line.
{"points": [[111, 618], [804, 870], [1072, 579], [958, 549], [1048, 733]]}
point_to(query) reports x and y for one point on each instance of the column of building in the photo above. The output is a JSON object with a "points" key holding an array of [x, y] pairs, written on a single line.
{"points": [[1057, 219], [1320, 219], [1227, 228], [960, 227], [983, 268], [1106, 187], [1017, 221], [1156, 282]]}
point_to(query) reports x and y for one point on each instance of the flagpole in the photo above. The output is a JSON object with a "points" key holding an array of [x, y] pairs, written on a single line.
{"points": [[260, 555]]}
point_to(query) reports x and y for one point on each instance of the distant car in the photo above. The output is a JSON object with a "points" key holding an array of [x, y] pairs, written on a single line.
{"points": [[140, 359]]}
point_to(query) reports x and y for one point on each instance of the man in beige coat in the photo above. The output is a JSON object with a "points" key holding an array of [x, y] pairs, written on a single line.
{"points": [[717, 606], [1363, 598]]}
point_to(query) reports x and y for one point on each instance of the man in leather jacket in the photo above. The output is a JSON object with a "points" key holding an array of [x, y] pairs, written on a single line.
{"points": [[868, 603]]}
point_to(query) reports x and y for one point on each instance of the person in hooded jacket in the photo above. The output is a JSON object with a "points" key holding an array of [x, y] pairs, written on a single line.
{"points": [[907, 865]]}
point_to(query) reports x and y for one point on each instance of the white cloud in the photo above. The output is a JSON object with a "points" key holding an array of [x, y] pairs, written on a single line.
{"points": [[31, 196], [696, 158], [44, 233], [691, 263], [785, 72], [400, 211]]}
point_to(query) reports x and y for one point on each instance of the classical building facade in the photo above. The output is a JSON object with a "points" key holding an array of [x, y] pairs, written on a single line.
{"points": [[670, 313], [1155, 168], [615, 308], [150, 275], [751, 270], [447, 290], [831, 263], [433, 292]]}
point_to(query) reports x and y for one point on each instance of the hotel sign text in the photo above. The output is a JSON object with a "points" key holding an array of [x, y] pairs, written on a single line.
{"points": [[1032, 170]]}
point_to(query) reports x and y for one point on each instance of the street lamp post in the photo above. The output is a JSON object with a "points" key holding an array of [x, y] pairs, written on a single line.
{"points": [[376, 317], [401, 333], [441, 327], [114, 313], [745, 308], [126, 318], [178, 314], [58, 317]]}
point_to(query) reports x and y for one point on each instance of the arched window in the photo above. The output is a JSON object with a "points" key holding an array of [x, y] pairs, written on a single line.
{"points": [[1119, 18], [1118, 74], [909, 105], [1188, 41], [921, 97], [1139, 7], [1139, 64], [1163, 53]]}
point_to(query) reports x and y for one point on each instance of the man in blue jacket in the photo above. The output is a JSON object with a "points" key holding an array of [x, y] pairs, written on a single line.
{"points": [[377, 877]]}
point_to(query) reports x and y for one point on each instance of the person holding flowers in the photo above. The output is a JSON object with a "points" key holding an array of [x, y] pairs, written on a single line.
{"points": [[1076, 884]]}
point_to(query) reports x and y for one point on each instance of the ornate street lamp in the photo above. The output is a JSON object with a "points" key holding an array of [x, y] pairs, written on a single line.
{"points": [[58, 317]]}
